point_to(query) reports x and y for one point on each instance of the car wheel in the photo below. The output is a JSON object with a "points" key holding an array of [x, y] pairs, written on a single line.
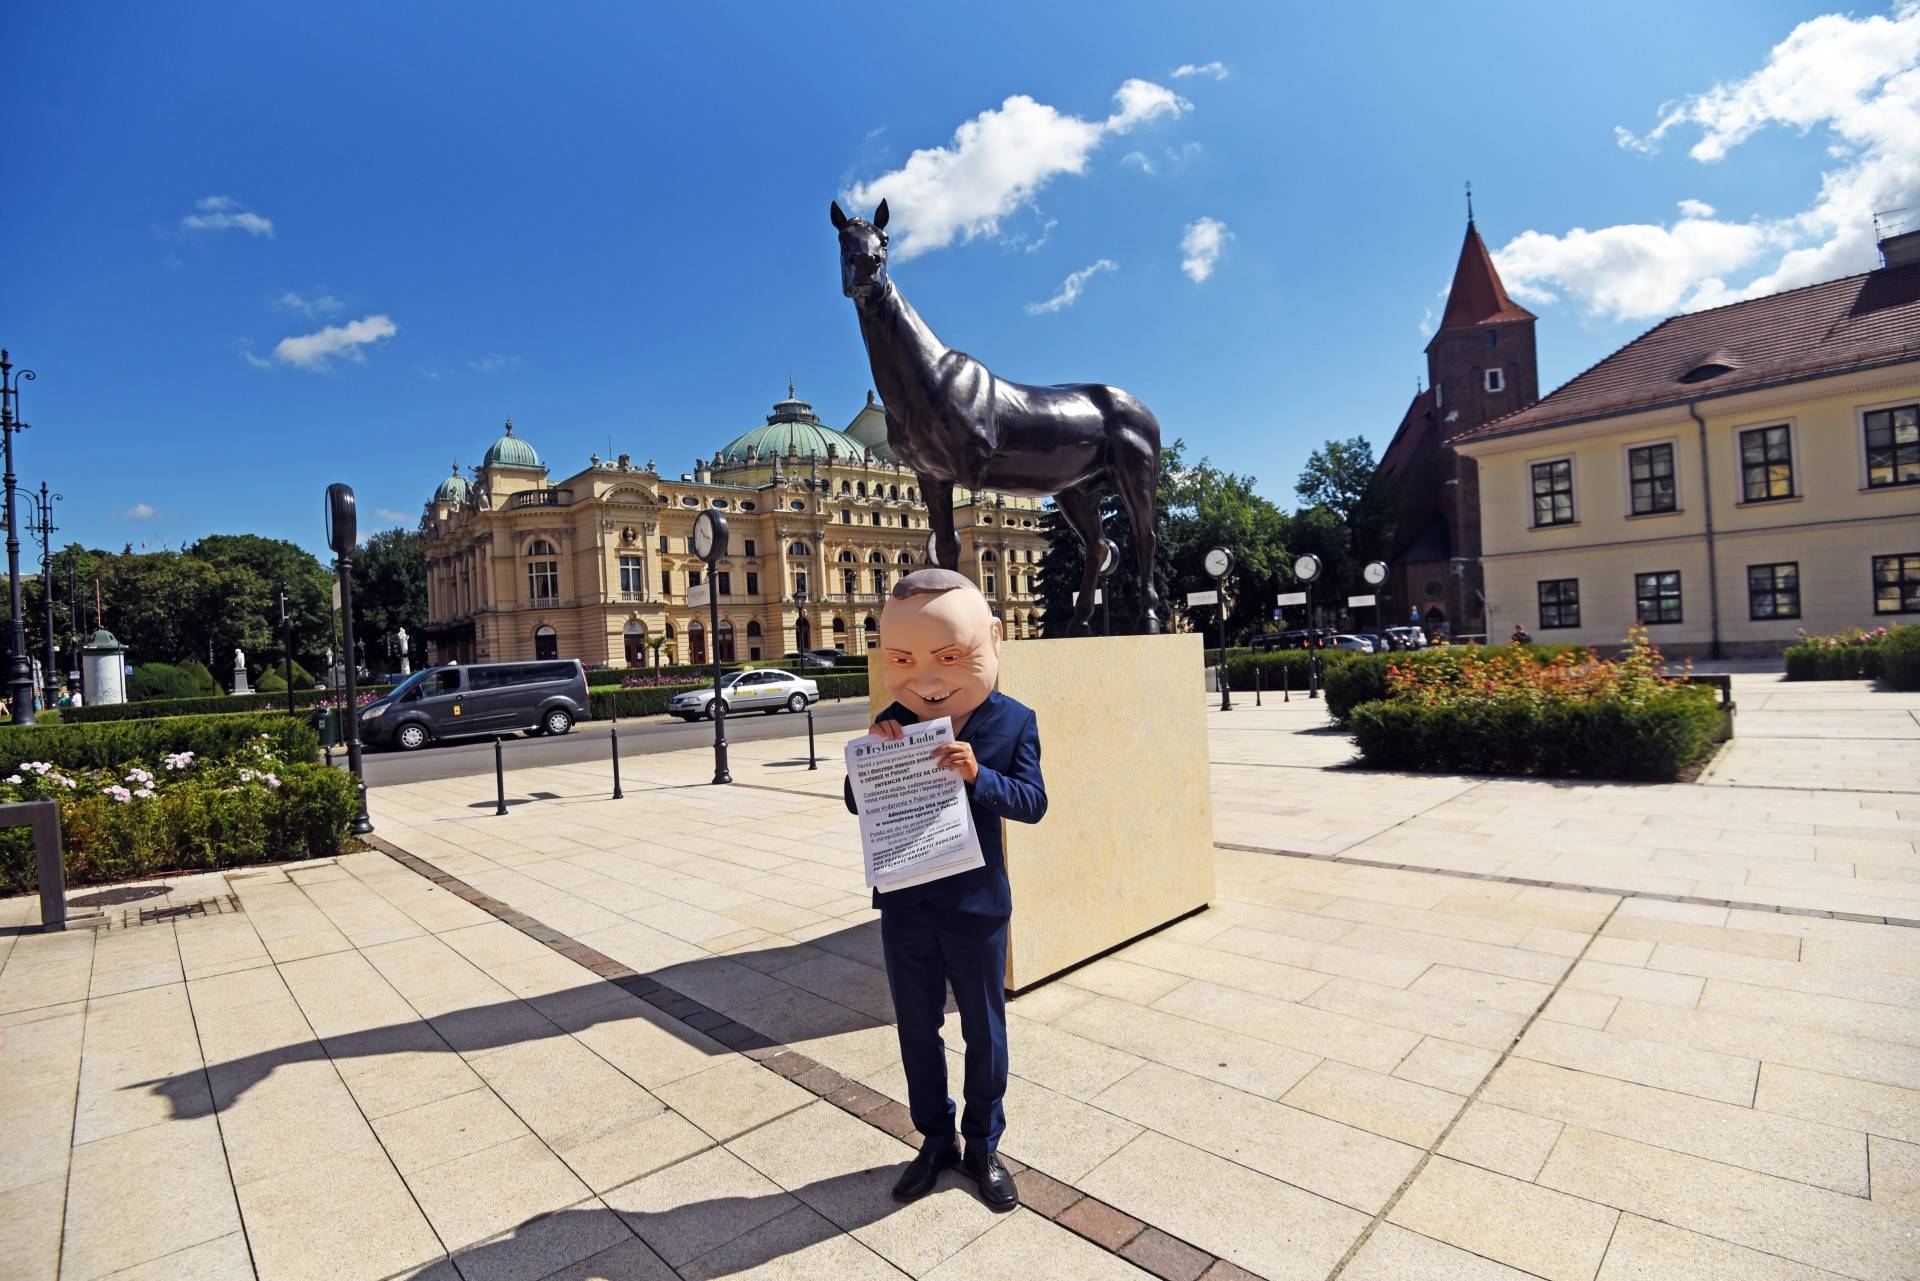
{"points": [[411, 738], [556, 722], [717, 707], [797, 703]]}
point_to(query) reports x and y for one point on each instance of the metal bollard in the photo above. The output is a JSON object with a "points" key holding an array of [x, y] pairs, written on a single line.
{"points": [[613, 735], [812, 761], [1256, 685], [499, 777], [1286, 683], [1313, 676]]}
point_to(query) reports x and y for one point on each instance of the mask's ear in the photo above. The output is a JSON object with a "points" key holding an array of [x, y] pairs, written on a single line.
{"points": [[997, 633], [839, 217], [880, 216]]}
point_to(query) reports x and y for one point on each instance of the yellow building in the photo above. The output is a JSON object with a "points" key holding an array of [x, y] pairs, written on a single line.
{"points": [[821, 521], [1728, 478]]}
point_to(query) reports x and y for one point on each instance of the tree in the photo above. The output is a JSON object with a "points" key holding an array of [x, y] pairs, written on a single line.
{"points": [[1337, 476], [390, 589], [1215, 508]]}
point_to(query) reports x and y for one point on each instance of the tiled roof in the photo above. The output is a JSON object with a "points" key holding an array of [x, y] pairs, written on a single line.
{"points": [[1477, 296], [1820, 330]]}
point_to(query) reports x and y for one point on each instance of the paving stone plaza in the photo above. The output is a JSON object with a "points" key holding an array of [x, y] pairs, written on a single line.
{"points": [[1431, 1027]]}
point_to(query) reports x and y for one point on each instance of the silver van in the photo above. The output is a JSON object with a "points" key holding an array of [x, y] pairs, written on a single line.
{"points": [[478, 699]]}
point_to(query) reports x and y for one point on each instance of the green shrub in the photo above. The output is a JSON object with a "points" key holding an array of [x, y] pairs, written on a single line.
{"points": [[1656, 738], [224, 703], [1901, 658], [270, 682], [160, 680], [132, 742], [173, 814], [1843, 663], [1364, 678], [203, 682], [302, 678]]}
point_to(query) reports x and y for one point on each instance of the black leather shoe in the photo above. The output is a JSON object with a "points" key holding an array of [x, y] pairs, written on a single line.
{"points": [[996, 1185], [924, 1170]]}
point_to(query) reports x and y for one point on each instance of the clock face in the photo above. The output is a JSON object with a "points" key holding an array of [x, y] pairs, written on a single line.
{"points": [[1307, 568], [933, 549], [703, 535], [1375, 573], [1219, 561]]}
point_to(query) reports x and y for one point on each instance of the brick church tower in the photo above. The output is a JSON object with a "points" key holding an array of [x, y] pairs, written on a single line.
{"points": [[1481, 365]]}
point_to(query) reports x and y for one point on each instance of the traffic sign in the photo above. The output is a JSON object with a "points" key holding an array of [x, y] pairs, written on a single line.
{"points": [[1357, 601], [1203, 598], [1291, 598], [1099, 596], [697, 595]]}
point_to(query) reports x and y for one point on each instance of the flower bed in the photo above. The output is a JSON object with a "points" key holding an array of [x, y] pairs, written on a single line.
{"points": [[1364, 678], [125, 815], [1502, 711], [1853, 655]]}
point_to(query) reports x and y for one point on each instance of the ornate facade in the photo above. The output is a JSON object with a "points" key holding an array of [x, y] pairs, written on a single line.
{"points": [[821, 521]]}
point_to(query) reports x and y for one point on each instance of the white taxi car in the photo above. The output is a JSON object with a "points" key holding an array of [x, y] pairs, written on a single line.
{"points": [[766, 690]]}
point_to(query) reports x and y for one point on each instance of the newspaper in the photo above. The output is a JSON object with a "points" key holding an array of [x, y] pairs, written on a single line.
{"points": [[915, 823]]}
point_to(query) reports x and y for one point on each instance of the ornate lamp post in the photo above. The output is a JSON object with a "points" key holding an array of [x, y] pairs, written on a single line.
{"points": [[800, 604], [342, 535], [1218, 564], [19, 666], [41, 525], [710, 544], [1306, 568], [286, 646]]}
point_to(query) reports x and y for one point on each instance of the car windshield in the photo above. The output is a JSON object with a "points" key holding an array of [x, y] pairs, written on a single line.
{"points": [[408, 684]]}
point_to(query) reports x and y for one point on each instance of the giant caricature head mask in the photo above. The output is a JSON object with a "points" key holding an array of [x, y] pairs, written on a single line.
{"points": [[940, 645]]}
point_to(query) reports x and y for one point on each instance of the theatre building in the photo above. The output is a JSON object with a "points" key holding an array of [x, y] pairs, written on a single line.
{"points": [[1728, 478], [596, 566]]}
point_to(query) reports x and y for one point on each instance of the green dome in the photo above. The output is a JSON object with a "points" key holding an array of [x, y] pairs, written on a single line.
{"points": [[792, 428], [511, 451], [454, 489]]}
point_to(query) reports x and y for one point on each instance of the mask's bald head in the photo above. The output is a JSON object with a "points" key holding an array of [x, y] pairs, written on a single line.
{"points": [[941, 645]]}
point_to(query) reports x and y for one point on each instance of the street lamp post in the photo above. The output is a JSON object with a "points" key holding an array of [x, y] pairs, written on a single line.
{"points": [[19, 666], [43, 528], [1109, 561], [1307, 568], [1218, 564], [286, 646], [710, 544], [342, 532], [800, 604]]}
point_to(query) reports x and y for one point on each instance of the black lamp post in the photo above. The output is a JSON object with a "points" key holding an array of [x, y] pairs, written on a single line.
{"points": [[710, 544], [286, 646], [1109, 561], [19, 666], [1218, 564], [800, 604], [342, 536], [1307, 568], [42, 527]]}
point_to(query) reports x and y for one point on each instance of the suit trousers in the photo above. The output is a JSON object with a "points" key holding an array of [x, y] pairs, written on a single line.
{"points": [[927, 948]]}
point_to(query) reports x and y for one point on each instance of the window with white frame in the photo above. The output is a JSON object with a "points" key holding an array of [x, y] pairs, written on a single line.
{"points": [[1496, 379], [543, 571]]}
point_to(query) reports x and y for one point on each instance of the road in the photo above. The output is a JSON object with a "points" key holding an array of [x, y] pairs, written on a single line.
{"points": [[588, 742]]}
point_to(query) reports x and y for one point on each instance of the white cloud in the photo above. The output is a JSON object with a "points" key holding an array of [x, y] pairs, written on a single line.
{"points": [[397, 517], [245, 347], [1217, 71], [139, 511], [316, 350], [221, 213], [1071, 288], [1138, 158], [493, 362], [1856, 81], [324, 305], [996, 163], [1426, 324], [1201, 246]]}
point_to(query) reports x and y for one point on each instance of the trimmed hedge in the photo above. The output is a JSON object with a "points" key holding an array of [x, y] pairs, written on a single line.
{"points": [[133, 742], [150, 682], [1900, 659], [1656, 739], [1363, 678], [224, 704], [1837, 663]]}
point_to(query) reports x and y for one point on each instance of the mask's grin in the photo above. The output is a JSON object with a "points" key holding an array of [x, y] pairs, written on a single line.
{"points": [[935, 698]]}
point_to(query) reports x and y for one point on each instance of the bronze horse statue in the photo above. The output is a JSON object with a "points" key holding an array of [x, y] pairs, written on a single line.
{"points": [[953, 421]]}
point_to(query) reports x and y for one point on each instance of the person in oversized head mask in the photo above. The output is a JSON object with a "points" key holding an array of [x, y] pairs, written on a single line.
{"points": [[940, 648]]}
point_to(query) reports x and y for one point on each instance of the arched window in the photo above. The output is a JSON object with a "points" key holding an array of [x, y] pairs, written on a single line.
{"points": [[871, 628], [635, 641], [802, 635], [878, 558], [546, 644], [988, 556], [861, 489], [893, 491], [723, 641], [912, 497], [846, 555], [839, 628], [543, 571], [696, 642], [906, 558], [846, 487], [753, 627], [796, 549]]}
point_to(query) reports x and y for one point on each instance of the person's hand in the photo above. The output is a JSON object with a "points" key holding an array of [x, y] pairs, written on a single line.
{"points": [[959, 758], [887, 730]]}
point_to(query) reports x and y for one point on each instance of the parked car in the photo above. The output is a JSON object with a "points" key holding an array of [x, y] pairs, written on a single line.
{"points": [[816, 658], [1299, 638], [478, 699], [1406, 638], [766, 690], [1346, 640]]}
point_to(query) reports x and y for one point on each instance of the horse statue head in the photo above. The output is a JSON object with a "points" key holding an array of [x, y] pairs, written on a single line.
{"points": [[863, 253]]}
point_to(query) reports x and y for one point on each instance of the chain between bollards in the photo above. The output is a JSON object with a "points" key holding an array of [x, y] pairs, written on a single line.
{"points": [[499, 777], [613, 736], [812, 761]]}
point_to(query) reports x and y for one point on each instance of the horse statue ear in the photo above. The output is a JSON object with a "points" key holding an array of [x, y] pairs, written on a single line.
{"points": [[880, 217], [839, 217]]}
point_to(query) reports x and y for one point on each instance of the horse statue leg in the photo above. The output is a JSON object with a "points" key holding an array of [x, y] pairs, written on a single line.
{"points": [[1136, 474], [1082, 511], [939, 496]]}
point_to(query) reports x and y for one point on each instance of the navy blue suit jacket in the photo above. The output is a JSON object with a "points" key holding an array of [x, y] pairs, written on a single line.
{"points": [[1006, 744]]}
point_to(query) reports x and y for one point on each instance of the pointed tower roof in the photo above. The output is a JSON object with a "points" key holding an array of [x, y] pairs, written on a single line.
{"points": [[1477, 296]]}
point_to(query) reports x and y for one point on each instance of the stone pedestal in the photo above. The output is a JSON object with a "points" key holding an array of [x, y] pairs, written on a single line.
{"points": [[1127, 843]]}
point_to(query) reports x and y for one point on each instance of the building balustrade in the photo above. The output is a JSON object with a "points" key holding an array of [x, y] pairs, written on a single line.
{"points": [[543, 498]]}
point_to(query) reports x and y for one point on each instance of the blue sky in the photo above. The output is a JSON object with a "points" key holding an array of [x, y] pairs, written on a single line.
{"points": [[257, 249]]}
